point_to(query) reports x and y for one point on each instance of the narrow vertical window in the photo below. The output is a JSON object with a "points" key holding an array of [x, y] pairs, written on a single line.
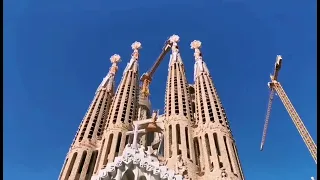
{"points": [[225, 143], [127, 139], [73, 159], [161, 148], [208, 144], [178, 138], [238, 161], [170, 141], [187, 141], [208, 148], [92, 162], [196, 150], [118, 143], [109, 143], [100, 152], [216, 143], [83, 158]]}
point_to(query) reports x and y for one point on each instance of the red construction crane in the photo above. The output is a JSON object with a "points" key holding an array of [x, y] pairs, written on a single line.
{"points": [[275, 86]]}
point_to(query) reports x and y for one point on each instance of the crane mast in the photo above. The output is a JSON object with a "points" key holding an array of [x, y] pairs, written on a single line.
{"points": [[146, 78], [275, 86]]}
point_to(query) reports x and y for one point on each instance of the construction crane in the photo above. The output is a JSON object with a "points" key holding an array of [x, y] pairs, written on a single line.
{"points": [[146, 78], [275, 86]]}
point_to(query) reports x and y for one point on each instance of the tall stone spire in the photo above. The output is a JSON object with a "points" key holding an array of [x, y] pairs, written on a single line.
{"points": [[81, 158], [122, 112], [215, 147], [178, 111]]}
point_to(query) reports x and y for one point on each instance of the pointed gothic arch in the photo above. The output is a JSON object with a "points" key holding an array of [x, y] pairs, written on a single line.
{"points": [[128, 175]]}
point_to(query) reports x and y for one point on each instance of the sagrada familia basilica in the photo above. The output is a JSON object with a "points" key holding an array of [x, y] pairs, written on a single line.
{"points": [[122, 138]]}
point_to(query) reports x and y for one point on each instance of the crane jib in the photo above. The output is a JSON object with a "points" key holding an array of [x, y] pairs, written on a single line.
{"points": [[275, 86]]}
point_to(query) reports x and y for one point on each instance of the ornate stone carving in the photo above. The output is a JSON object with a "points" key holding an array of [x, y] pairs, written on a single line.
{"points": [[136, 46], [115, 58], [180, 166], [196, 44], [174, 38], [186, 177], [223, 174], [137, 158]]}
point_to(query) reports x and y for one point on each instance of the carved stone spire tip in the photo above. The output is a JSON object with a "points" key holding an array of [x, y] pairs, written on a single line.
{"points": [[136, 45], [115, 58], [196, 44], [174, 38]]}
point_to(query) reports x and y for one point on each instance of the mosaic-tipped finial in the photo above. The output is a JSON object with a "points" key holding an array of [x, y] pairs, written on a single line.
{"points": [[115, 58], [174, 38], [196, 44], [136, 45]]}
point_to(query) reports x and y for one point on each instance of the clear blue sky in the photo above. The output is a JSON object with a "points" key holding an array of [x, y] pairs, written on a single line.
{"points": [[57, 52]]}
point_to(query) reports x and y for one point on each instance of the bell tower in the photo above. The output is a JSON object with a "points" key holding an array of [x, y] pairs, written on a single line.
{"points": [[215, 148], [178, 112], [81, 158], [122, 113]]}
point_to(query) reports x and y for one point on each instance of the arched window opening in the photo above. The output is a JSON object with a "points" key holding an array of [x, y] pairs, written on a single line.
{"points": [[170, 141], [208, 148], [118, 143], [109, 143], [228, 154], [196, 150], [73, 159], [83, 158], [100, 152], [178, 138], [187, 141], [128, 175], [92, 162], [216, 143]]}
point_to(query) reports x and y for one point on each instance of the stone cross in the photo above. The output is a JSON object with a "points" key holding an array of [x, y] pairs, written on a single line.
{"points": [[136, 131]]}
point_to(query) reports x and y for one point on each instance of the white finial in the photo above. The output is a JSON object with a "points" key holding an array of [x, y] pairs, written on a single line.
{"points": [[115, 58], [174, 38], [136, 45], [195, 44]]}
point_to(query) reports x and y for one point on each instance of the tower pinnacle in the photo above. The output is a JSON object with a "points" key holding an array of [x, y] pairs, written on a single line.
{"points": [[82, 156], [199, 66], [175, 56], [108, 81], [174, 39], [123, 111], [196, 45], [136, 46], [214, 145]]}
